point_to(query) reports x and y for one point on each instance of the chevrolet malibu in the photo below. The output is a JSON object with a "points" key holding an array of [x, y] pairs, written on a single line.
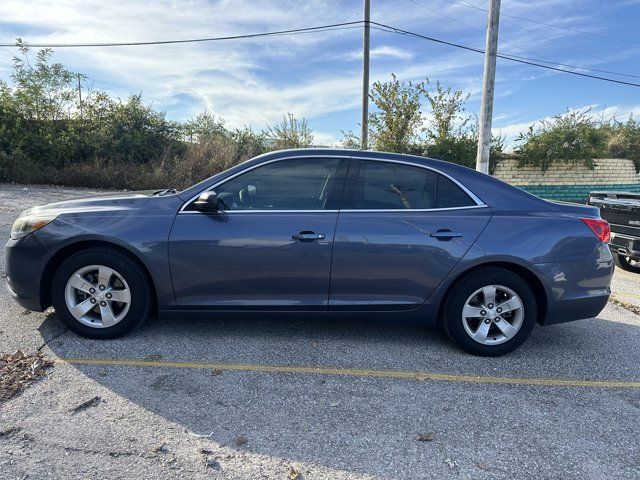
{"points": [[337, 232]]}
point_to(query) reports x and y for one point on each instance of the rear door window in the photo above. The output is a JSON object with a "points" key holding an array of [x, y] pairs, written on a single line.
{"points": [[394, 186]]}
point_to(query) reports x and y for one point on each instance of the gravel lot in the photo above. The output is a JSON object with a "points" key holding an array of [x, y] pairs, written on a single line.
{"points": [[241, 399]]}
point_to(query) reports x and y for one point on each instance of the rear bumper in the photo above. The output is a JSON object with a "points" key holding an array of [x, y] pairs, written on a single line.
{"points": [[577, 290], [576, 309], [627, 245]]}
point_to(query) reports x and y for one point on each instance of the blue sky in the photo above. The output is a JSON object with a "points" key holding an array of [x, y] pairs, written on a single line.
{"points": [[254, 82]]}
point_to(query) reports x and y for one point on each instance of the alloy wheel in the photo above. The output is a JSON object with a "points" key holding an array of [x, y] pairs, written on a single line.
{"points": [[97, 296], [493, 314]]}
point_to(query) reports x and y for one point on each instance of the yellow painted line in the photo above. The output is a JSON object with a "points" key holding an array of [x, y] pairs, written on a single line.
{"points": [[624, 293], [354, 372]]}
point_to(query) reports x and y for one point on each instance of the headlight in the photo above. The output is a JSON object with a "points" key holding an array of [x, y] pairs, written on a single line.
{"points": [[29, 223]]}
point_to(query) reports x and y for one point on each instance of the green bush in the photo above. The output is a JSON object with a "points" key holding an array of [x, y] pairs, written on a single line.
{"points": [[624, 141], [572, 137]]}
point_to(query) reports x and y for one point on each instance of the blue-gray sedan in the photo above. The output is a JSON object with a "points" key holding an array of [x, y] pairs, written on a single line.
{"points": [[309, 231]]}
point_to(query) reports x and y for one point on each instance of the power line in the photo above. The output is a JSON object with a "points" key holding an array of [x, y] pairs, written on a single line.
{"points": [[340, 26], [329, 27], [453, 19], [552, 62], [511, 58], [530, 20], [545, 60]]}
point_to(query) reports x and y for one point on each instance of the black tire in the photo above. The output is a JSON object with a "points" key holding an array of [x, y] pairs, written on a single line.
{"points": [[625, 263], [141, 304], [463, 289]]}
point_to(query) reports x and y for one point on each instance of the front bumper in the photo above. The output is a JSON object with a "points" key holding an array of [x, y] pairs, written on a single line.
{"points": [[24, 261]]}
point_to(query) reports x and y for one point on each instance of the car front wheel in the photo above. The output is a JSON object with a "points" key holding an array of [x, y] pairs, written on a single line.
{"points": [[101, 293], [490, 312]]}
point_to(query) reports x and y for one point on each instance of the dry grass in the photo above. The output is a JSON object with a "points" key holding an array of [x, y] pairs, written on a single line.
{"points": [[201, 160]]}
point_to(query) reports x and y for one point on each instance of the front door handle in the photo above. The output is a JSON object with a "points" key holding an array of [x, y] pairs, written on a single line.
{"points": [[308, 236], [445, 234]]}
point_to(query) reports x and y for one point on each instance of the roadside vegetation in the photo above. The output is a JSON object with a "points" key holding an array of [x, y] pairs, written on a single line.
{"points": [[56, 128], [576, 137]]}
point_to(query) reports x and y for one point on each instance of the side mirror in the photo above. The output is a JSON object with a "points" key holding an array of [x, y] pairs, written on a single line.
{"points": [[207, 202]]}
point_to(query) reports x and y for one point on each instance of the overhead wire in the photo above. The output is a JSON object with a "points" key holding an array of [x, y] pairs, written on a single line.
{"points": [[511, 58]]}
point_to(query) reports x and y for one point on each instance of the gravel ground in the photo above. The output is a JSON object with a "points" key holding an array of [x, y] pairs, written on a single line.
{"points": [[118, 421]]}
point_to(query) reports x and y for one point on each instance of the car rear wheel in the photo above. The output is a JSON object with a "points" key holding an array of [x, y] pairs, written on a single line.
{"points": [[627, 263], [490, 312], [101, 293]]}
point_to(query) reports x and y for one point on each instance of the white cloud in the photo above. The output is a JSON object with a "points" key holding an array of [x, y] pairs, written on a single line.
{"points": [[378, 52], [231, 79]]}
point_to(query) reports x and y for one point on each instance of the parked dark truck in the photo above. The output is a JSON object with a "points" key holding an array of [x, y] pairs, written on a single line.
{"points": [[622, 211]]}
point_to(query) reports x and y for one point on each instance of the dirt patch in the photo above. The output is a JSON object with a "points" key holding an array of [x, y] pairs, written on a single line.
{"points": [[18, 370], [626, 305]]}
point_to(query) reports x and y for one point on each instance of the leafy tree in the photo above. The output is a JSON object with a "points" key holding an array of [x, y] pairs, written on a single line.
{"points": [[248, 143], [289, 133], [452, 135], [43, 90], [396, 125], [204, 125], [350, 140], [448, 119]]}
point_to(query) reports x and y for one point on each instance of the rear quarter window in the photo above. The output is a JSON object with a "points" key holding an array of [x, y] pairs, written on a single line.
{"points": [[450, 195]]}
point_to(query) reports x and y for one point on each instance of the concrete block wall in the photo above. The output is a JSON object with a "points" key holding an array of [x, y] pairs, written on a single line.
{"points": [[571, 182]]}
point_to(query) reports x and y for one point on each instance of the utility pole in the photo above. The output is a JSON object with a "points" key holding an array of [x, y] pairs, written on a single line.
{"points": [[365, 75], [488, 83], [80, 96]]}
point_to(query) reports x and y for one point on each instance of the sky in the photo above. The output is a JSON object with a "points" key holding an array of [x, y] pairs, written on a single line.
{"points": [[318, 75]]}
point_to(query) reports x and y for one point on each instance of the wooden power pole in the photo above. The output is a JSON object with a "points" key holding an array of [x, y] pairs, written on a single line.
{"points": [[488, 82], [365, 76]]}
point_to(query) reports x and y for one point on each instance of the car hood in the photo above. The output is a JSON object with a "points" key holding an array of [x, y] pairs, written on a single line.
{"points": [[123, 201]]}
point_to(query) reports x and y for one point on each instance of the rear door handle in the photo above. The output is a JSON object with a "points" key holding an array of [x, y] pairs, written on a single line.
{"points": [[307, 236], [445, 234]]}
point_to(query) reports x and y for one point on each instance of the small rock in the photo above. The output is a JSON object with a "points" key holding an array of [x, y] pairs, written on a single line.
{"points": [[162, 448], [215, 372], [451, 464], [426, 437], [240, 440], [212, 462]]}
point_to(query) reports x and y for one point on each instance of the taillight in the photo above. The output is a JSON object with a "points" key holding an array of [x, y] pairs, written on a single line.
{"points": [[600, 227]]}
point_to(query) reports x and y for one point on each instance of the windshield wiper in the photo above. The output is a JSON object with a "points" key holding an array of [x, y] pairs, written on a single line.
{"points": [[166, 191]]}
